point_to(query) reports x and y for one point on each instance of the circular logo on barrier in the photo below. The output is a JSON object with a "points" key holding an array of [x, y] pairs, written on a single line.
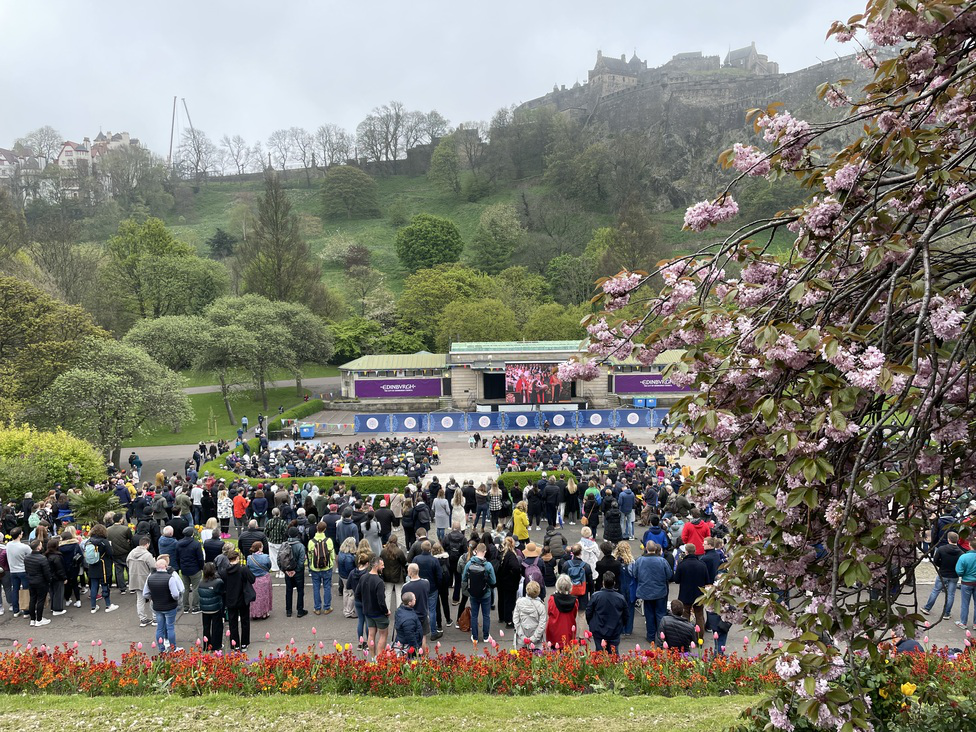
{"points": [[410, 423], [596, 419], [633, 418], [447, 423], [484, 421], [372, 423], [521, 420], [559, 420]]}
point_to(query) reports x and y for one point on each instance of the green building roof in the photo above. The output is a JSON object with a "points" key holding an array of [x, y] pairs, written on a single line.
{"points": [[515, 347]]}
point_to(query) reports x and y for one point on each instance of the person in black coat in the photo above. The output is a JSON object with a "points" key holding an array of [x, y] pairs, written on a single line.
{"points": [[691, 576], [536, 504], [611, 528], [711, 558], [58, 575], [39, 577], [238, 596], [678, 631], [605, 615], [608, 564]]}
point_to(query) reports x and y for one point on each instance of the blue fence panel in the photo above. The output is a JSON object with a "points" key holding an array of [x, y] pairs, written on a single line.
{"points": [[561, 420], [409, 422], [515, 421], [447, 422], [481, 421], [594, 419], [657, 416], [624, 418], [371, 423]]}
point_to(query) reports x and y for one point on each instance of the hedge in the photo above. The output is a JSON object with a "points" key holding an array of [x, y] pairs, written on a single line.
{"points": [[531, 476], [302, 410]]}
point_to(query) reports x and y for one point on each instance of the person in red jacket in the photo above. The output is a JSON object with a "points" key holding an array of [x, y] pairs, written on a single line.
{"points": [[695, 531], [562, 610]]}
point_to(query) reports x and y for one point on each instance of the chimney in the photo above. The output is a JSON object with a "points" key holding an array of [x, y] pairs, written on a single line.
{"points": [[623, 57], [599, 54]]}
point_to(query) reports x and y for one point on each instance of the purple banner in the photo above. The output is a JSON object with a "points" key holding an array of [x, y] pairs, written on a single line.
{"points": [[397, 388], [643, 384]]}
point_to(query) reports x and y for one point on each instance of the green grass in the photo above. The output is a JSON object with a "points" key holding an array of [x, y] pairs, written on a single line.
{"points": [[215, 203], [309, 371], [248, 403], [367, 714]]}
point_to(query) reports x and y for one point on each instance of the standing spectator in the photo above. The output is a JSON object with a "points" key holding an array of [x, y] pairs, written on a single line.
{"points": [[371, 593], [653, 573], [191, 566], [562, 611], [420, 589], [966, 569], [321, 559], [605, 615], [240, 512], [442, 515], [625, 503], [580, 575], [246, 540], [944, 560], [481, 506], [225, 511], [408, 628], [39, 578], [509, 579], [277, 531], [430, 570], [259, 508], [695, 531], [259, 565], [691, 576], [120, 537], [628, 583], [394, 571], [678, 631], [345, 564], [372, 533], [479, 578], [164, 589], [495, 504], [58, 576], [529, 618], [74, 560], [99, 561], [17, 552], [385, 517], [211, 592], [294, 572], [140, 564], [238, 596]]}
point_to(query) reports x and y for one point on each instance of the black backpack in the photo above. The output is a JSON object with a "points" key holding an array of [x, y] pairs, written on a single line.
{"points": [[478, 583]]}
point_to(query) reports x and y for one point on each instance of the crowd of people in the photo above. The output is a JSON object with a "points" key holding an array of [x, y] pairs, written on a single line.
{"points": [[583, 452], [412, 457], [403, 567]]}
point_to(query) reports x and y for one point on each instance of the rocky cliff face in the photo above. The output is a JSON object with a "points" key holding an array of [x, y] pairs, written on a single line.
{"points": [[691, 117]]}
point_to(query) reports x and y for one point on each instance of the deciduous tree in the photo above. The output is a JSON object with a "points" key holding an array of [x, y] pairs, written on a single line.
{"points": [[428, 241]]}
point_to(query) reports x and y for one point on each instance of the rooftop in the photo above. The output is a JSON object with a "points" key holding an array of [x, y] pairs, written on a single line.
{"points": [[515, 347], [397, 361]]}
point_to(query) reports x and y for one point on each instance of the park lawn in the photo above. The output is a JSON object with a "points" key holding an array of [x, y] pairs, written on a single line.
{"points": [[309, 371], [244, 403], [371, 714]]}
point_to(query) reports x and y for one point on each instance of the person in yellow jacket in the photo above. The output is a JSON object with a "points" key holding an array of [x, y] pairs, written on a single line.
{"points": [[520, 519]]}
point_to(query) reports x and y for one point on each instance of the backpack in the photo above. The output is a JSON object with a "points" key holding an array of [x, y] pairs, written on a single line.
{"points": [[532, 573], [91, 554], [321, 555], [478, 584], [576, 569], [421, 515], [286, 558]]}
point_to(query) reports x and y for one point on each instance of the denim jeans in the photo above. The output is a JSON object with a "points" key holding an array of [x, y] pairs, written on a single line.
{"points": [[360, 622], [629, 619], [432, 609], [18, 582], [441, 533], [482, 514], [484, 604], [949, 585], [654, 612], [93, 591], [322, 589], [627, 524], [967, 596], [166, 628]]}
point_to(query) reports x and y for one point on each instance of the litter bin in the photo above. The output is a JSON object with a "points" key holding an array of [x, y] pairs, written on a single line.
{"points": [[306, 431], [639, 403]]}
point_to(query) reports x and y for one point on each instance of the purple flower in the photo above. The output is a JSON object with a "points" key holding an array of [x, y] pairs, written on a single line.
{"points": [[707, 213], [750, 160]]}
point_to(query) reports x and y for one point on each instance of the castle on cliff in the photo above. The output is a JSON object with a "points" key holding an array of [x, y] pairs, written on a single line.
{"points": [[622, 91]]}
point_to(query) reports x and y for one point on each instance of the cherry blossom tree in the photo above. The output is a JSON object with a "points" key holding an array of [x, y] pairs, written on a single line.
{"points": [[834, 378]]}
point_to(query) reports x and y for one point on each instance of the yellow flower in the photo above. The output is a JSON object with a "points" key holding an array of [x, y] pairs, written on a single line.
{"points": [[883, 693], [513, 652], [348, 646], [908, 688]]}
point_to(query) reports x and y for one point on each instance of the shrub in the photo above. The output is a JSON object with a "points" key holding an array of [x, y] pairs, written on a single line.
{"points": [[428, 241], [31, 459], [90, 506], [348, 192]]}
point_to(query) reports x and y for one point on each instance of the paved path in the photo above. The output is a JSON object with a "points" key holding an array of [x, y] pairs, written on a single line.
{"points": [[317, 385]]}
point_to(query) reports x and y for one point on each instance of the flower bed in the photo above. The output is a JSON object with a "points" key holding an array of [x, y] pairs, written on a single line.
{"points": [[574, 670], [65, 670]]}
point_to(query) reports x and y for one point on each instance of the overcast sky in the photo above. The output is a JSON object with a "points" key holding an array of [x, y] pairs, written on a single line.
{"points": [[247, 67]]}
